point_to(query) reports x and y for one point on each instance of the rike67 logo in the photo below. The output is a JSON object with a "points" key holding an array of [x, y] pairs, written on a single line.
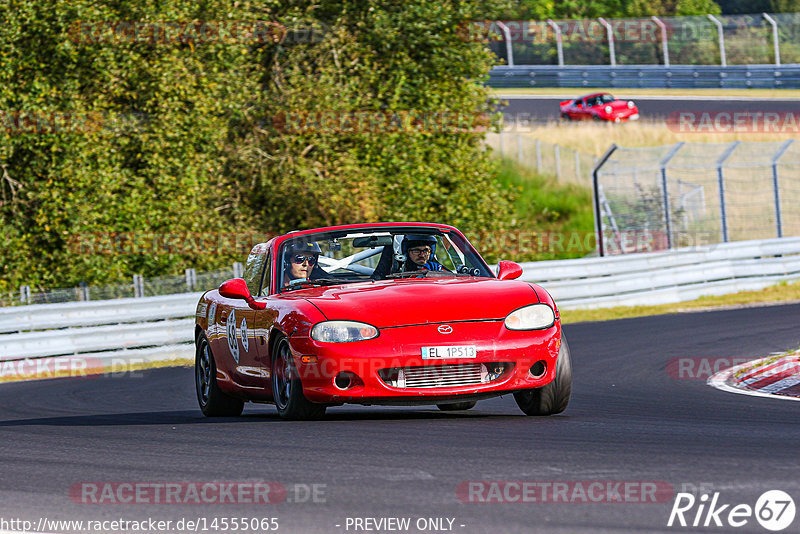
{"points": [[774, 510]]}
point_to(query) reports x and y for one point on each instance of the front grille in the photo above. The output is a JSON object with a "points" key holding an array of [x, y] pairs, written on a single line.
{"points": [[443, 376]]}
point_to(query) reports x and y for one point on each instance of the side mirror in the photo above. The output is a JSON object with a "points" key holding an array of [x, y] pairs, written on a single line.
{"points": [[236, 288], [508, 270]]}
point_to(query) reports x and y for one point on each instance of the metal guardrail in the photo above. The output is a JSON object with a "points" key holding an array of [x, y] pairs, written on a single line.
{"points": [[648, 76], [95, 313], [105, 333], [160, 328], [94, 339], [754, 39], [667, 277]]}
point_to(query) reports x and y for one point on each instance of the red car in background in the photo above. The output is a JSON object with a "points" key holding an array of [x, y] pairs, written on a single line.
{"points": [[364, 325], [599, 107]]}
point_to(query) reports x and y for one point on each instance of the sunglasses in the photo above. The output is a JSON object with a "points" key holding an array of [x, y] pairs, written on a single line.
{"points": [[420, 250], [299, 258]]}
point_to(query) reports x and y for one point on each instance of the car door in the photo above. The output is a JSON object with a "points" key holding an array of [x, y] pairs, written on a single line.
{"points": [[240, 325], [585, 112]]}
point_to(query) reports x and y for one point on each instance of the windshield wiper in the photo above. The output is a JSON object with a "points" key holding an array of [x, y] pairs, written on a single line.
{"points": [[409, 274], [305, 283]]}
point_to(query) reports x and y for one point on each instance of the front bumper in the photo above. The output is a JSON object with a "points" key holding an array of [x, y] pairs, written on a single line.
{"points": [[318, 364]]}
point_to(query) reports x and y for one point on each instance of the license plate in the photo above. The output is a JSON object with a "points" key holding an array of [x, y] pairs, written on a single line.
{"points": [[442, 352]]}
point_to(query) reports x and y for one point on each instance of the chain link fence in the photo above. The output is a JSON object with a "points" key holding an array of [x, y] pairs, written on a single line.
{"points": [[757, 39], [689, 194], [562, 163], [138, 287]]}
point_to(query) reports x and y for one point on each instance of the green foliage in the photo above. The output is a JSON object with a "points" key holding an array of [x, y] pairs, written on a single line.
{"points": [[583, 9], [183, 137], [552, 220]]}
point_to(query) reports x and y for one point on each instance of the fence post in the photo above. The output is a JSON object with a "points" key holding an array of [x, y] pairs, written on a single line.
{"points": [[509, 50], [722, 59], [776, 45], [665, 191], [775, 185], [502, 148], [538, 156], [84, 291], [610, 32], [138, 286], [721, 181], [664, 39], [557, 150], [519, 149], [598, 215], [191, 278], [25, 294], [559, 41], [238, 270]]}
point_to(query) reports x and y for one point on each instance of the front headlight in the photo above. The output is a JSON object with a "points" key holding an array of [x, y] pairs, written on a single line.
{"points": [[533, 317], [608, 109], [630, 104], [342, 331]]}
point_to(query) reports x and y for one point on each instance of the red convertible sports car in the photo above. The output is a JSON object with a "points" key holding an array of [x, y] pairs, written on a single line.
{"points": [[599, 107], [387, 313]]}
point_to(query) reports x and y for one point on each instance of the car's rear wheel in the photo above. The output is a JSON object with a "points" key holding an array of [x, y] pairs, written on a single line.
{"points": [[213, 402], [456, 406], [287, 390], [554, 397], [566, 117]]}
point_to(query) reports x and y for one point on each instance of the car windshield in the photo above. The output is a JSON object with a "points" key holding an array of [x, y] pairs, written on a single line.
{"points": [[364, 254], [599, 99]]}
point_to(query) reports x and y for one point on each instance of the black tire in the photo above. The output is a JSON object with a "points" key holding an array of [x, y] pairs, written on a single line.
{"points": [[554, 397], [287, 391], [457, 406], [213, 402], [565, 117]]}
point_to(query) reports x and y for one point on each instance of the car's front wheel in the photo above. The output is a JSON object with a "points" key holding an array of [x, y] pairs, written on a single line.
{"points": [[456, 406], [213, 402], [287, 391], [554, 397]]}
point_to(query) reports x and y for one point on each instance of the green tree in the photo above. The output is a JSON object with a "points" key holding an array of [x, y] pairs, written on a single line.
{"points": [[181, 136]]}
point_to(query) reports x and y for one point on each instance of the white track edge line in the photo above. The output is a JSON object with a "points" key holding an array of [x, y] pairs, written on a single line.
{"points": [[719, 379]]}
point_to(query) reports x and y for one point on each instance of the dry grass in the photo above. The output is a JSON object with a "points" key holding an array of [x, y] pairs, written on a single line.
{"points": [[595, 138], [780, 293]]}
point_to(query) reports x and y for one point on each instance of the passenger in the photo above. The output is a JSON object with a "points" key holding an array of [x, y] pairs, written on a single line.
{"points": [[299, 259], [420, 252]]}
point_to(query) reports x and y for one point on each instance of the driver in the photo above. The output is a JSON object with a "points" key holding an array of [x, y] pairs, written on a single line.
{"points": [[420, 251], [299, 259]]}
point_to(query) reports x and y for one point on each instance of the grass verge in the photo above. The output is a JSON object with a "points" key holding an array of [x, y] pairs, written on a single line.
{"points": [[595, 137], [109, 370], [551, 219], [780, 293]]}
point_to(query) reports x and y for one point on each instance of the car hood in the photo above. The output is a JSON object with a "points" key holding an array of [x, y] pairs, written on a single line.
{"points": [[389, 303]]}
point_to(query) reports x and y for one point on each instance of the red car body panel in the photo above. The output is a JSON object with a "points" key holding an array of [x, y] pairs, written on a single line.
{"points": [[582, 109], [407, 314]]}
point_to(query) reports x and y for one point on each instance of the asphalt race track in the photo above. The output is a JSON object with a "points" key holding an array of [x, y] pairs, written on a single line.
{"points": [[651, 108], [629, 421]]}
